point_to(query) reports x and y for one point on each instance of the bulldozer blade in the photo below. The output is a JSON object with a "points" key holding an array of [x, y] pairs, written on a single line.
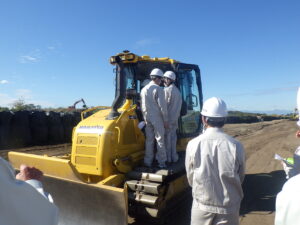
{"points": [[85, 204], [50, 166], [79, 203]]}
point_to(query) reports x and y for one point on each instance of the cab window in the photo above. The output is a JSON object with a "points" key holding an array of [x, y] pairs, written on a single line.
{"points": [[190, 120]]}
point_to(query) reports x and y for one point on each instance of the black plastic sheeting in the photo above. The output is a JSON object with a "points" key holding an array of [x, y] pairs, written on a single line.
{"points": [[28, 128], [5, 119], [20, 134], [39, 128], [251, 119]]}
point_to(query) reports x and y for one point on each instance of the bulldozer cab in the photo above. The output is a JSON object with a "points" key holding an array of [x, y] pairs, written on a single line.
{"points": [[132, 74]]}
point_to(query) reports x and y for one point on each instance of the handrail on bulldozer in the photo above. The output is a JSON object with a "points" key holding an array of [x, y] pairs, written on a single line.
{"points": [[93, 108]]}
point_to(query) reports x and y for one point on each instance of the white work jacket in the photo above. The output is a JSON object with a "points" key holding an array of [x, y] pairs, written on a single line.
{"points": [[153, 103], [215, 165], [288, 203], [22, 204], [174, 101]]}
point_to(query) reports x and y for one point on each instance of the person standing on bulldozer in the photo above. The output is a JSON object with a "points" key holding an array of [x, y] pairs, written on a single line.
{"points": [[174, 101], [154, 109], [215, 165]]}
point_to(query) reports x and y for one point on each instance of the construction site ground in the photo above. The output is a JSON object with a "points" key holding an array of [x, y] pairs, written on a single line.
{"points": [[264, 175]]}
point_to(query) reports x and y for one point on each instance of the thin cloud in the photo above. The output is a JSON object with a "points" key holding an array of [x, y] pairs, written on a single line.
{"points": [[54, 46], [146, 42], [44, 104], [276, 90], [28, 59], [32, 57], [6, 100], [25, 94], [28, 97], [51, 48], [270, 91], [4, 82]]}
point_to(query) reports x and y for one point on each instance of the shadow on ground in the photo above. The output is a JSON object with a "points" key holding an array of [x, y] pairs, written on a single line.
{"points": [[260, 191], [179, 216]]}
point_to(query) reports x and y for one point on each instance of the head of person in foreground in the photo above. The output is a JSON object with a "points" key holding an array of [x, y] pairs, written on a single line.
{"points": [[214, 113]]}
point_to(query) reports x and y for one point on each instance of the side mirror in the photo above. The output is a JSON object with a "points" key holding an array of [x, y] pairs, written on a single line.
{"points": [[192, 100]]}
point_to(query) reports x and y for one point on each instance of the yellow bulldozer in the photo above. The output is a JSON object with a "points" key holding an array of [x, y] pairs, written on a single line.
{"points": [[102, 180]]}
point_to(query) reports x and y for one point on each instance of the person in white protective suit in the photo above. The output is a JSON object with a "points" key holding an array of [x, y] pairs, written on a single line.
{"points": [[174, 101], [287, 201], [215, 166], [22, 198], [292, 170], [154, 109]]}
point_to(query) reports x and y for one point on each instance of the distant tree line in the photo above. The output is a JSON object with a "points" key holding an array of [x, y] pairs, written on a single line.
{"points": [[244, 117], [21, 105]]}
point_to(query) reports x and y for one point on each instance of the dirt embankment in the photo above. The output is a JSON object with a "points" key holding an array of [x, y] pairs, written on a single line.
{"points": [[262, 140], [264, 177]]}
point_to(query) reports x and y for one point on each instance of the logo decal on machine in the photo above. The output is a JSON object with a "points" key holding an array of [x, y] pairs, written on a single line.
{"points": [[90, 129]]}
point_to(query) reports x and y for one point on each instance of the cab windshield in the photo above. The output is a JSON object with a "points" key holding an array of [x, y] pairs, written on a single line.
{"points": [[124, 79], [129, 81]]}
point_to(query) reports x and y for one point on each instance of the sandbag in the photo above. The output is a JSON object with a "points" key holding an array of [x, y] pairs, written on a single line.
{"points": [[68, 122], [39, 127], [77, 118], [20, 134], [5, 119], [55, 128]]}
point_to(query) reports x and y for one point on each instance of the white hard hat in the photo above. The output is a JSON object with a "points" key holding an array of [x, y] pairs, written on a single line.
{"points": [[214, 107], [157, 72], [170, 74]]}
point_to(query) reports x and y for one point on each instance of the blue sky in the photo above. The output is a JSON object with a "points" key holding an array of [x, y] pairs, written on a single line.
{"points": [[55, 52]]}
